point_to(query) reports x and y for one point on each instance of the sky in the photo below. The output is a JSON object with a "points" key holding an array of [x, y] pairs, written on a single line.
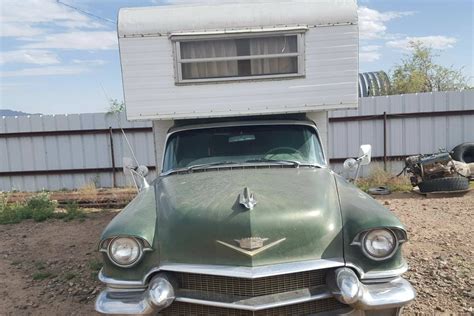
{"points": [[62, 56]]}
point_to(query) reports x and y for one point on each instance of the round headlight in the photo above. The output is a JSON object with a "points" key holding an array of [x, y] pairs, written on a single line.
{"points": [[124, 251], [380, 244]]}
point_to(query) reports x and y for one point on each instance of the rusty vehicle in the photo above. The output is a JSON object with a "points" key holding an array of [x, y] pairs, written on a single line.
{"points": [[436, 172]]}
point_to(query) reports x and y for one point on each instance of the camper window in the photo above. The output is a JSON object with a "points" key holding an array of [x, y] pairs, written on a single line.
{"points": [[238, 58]]}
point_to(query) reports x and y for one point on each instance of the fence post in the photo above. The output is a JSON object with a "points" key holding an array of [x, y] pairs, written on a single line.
{"points": [[385, 141], [112, 155]]}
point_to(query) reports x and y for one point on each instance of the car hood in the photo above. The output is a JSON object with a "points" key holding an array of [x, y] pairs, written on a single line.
{"points": [[201, 221]]}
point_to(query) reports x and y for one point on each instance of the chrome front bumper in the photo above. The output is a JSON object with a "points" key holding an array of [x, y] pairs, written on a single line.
{"points": [[394, 294], [127, 303], [374, 297]]}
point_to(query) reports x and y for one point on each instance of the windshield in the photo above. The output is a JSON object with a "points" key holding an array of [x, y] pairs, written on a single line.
{"points": [[243, 144]]}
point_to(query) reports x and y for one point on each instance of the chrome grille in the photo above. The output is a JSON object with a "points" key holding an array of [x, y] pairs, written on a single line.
{"points": [[308, 308], [250, 287]]}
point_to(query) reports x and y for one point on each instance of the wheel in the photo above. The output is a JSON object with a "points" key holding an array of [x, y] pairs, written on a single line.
{"points": [[464, 152], [444, 184]]}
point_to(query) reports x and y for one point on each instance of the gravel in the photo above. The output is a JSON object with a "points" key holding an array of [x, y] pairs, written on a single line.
{"points": [[439, 252], [50, 268]]}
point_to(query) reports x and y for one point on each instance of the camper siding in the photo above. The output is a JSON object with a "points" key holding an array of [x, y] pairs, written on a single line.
{"points": [[330, 82]]}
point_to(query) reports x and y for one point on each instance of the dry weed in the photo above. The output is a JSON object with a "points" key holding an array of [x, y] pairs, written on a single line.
{"points": [[379, 177]]}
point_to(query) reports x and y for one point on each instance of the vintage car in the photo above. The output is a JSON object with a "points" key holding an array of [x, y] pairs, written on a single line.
{"points": [[246, 218]]}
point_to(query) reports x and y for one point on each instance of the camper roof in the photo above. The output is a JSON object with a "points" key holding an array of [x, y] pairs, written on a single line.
{"points": [[169, 19]]}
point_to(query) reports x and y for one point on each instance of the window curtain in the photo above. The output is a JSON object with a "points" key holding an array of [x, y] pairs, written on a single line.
{"points": [[274, 45], [209, 49]]}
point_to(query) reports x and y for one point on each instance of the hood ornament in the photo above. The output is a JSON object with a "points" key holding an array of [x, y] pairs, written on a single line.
{"points": [[247, 199], [251, 246]]}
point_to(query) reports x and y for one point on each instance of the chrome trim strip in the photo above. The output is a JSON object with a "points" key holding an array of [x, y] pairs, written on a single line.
{"points": [[372, 275], [230, 271], [124, 284], [315, 294], [255, 272]]}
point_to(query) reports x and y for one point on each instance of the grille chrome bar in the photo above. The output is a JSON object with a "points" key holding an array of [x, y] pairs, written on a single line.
{"points": [[306, 308], [254, 272], [256, 303], [245, 288]]}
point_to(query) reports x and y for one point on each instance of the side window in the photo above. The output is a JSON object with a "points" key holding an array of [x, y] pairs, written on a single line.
{"points": [[239, 58]]}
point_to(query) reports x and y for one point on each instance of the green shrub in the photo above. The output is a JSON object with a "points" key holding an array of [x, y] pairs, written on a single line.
{"points": [[72, 211], [40, 207], [8, 212], [8, 215], [24, 212]]}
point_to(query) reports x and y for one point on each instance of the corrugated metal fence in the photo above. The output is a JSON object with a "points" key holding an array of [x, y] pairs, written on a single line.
{"points": [[401, 125], [71, 151]]}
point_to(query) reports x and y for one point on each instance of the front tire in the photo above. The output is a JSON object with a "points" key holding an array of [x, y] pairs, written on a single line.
{"points": [[444, 184]]}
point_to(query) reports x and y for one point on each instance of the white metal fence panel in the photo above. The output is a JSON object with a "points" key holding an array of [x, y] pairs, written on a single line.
{"points": [[415, 124], [71, 151]]}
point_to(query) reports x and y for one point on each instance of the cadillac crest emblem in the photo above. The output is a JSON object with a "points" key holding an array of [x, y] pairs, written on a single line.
{"points": [[251, 243], [251, 246]]}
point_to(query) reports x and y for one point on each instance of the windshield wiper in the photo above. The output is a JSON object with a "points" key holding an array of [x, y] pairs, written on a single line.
{"points": [[289, 162], [295, 163], [211, 164], [202, 166]]}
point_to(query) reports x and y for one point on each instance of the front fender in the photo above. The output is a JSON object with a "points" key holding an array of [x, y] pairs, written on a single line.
{"points": [[137, 219], [361, 212]]}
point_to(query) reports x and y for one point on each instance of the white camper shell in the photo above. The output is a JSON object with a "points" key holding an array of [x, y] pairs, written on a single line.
{"points": [[251, 58]]}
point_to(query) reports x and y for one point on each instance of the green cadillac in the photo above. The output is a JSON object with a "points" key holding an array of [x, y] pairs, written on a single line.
{"points": [[246, 218]]}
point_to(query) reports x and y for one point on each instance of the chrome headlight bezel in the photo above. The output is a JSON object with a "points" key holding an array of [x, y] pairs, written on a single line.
{"points": [[370, 255], [106, 247], [399, 237]]}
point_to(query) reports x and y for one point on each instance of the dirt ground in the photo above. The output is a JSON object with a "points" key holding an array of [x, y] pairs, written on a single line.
{"points": [[50, 268]]}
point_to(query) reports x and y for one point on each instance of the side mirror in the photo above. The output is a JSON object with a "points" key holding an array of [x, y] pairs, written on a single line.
{"points": [[365, 154], [142, 171], [351, 164], [138, 173]]}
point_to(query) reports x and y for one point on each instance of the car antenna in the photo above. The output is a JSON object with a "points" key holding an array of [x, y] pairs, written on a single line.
{"points": [[140, 170]]}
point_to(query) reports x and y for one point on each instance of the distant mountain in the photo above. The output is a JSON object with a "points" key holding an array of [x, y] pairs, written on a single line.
{"points": [[14, 113]]}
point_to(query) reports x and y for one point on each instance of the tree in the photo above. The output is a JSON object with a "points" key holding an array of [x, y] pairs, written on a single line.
{"points": [[115, 106], [419, 73]]}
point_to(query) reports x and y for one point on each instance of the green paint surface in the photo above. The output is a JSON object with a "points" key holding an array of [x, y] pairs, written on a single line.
{"points": [[184, 215]]}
